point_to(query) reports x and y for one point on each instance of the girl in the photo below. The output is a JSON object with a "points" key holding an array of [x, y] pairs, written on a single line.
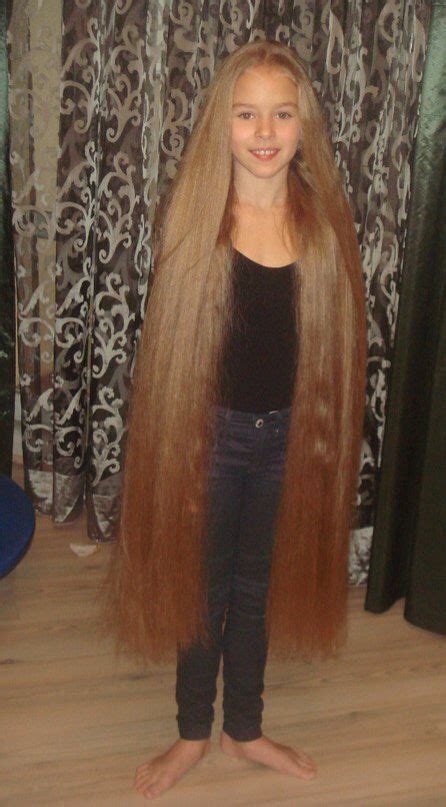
{"points": [[247, 413]]}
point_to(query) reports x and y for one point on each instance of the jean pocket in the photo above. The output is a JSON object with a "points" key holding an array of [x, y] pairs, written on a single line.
{"points": [[280, 437]]}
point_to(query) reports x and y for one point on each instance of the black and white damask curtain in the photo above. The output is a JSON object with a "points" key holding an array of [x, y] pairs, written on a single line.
{"points": [[110, 89]]}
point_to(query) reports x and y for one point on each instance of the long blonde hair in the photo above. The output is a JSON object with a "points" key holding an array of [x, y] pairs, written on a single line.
{"points": [[157, 579]]}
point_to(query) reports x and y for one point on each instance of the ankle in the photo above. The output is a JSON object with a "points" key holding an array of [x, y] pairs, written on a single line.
{"points": [[196, 746], [225, 737]]}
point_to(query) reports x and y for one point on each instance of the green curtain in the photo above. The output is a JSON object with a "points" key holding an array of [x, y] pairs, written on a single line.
{"points": [[408, 555], [7, 317]]}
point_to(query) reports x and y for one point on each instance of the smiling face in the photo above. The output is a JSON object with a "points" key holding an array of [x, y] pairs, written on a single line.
{"points": [[265, 122]]}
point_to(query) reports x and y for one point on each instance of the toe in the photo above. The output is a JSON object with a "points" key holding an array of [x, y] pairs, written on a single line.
{"points": [[141, 772], [150, 793], [144, 782], [307, 773], [307, 763], [155, 790], [305, 757]]}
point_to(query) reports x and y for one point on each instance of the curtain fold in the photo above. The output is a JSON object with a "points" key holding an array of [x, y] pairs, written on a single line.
{"points": [[124, 79], [7, 307], [409, 544]]}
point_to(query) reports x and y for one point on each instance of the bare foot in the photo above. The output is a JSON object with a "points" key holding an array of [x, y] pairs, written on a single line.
{"points": [[154, 777], [279, 757]]}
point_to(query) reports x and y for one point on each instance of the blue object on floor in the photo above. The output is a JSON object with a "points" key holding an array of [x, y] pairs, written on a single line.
{"points": [[16, 524]]}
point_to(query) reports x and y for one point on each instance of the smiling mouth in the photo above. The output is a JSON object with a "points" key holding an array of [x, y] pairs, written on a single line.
{"points": [[264, 155], [264, 152]]}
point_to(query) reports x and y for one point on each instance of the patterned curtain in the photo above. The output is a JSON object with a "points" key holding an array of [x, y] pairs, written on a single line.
{"points": [[7, 311], [122, 80]]}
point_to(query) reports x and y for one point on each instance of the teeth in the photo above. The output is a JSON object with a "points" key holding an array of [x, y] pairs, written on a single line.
{"points": [[264, 151]]}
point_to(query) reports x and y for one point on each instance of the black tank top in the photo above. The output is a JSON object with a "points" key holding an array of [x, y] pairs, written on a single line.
{"points": [[260, 351]]}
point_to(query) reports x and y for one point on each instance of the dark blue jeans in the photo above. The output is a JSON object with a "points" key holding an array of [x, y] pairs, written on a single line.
{"points": [[244, 489]]}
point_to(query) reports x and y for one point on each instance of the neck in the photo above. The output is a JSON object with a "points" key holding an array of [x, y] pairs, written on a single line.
{"points": [[262, 194]]}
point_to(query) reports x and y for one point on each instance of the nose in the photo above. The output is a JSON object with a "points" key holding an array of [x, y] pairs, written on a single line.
{"points": [[264, 128]]}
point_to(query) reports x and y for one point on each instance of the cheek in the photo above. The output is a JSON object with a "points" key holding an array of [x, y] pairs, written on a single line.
{"points": [[294, 137], [240, 136]]}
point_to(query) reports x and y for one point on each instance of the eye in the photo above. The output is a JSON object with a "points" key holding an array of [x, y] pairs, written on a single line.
{"points": [[287, 115], [243, 114]]}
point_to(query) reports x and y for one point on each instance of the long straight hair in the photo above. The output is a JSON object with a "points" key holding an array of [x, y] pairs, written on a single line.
{"points": [[157, 578]]}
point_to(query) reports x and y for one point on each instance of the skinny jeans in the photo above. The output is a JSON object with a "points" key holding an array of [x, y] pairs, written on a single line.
{"points": [[244, 488]]}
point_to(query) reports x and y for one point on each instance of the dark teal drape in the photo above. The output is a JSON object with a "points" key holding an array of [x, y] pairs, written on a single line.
{"points": [[408, 555], [7, 329]]}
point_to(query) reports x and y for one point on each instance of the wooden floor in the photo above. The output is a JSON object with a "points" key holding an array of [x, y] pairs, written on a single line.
{"points": [[74, 724]]}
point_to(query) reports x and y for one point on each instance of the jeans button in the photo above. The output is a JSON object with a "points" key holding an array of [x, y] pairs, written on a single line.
{"points": [[259, 423]]}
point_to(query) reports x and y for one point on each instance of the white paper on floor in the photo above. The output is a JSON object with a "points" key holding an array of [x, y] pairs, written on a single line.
{"points": [[84, 550]]}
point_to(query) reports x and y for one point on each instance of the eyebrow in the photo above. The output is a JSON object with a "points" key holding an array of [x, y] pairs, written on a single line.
{"points": [[253, 106]]}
